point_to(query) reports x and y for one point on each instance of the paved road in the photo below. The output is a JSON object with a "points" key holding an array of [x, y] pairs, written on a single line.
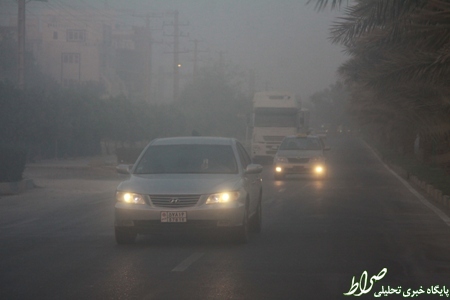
{"points": [[57, 241]]}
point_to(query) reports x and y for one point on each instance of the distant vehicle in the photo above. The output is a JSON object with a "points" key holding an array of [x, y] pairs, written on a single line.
{"points": [[190, 183], [275, 115], [301, 154]]}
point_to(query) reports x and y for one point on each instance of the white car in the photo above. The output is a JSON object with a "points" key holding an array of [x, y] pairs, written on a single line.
{"points": [[300, 154], [187, 184]]}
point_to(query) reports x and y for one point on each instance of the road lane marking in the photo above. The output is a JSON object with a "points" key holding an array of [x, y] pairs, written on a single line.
{"points": [[19, 223], [422, 199], [187, 262]]}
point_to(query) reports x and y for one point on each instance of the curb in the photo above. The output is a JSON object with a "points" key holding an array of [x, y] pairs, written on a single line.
{"points": [[14, 188], [433, 193]]}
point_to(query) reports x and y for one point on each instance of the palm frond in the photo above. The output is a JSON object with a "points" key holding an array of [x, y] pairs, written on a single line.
{"points": [[321, 4]]}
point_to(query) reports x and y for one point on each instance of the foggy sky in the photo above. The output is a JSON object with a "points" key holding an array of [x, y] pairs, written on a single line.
{"points": [[284, 41]]}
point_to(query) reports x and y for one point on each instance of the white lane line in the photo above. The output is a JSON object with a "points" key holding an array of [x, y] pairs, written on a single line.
{"points": [[19, 223], [422, 199], [187, 262]]}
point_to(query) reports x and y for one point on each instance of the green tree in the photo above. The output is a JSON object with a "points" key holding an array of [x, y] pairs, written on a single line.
{"points": [[399, 68], [331, 105]]}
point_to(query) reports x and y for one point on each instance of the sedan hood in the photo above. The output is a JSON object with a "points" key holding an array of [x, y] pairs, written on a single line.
{"points": [[160, 184]]}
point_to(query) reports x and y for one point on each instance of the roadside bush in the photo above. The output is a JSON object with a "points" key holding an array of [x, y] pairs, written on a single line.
{"points": [[12, 163]]}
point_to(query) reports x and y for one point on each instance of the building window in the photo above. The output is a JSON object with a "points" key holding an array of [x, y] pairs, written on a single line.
{"points": [[71, 58], [76, 35], [55, 35]]}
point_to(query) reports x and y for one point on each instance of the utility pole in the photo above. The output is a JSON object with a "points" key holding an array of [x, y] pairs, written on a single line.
{"points": [[21, 43], [176, 51], [144, 44], [196, 52], [221, 62], [251, 82], [147, 53]]}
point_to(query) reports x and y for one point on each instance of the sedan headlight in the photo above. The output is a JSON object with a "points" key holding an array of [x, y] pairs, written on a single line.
{"points": [[226, 197], [132, 198], [319, 169], [280, 159]]}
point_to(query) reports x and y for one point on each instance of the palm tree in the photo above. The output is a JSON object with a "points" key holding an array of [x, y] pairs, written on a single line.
{"points": [[400, 63]]}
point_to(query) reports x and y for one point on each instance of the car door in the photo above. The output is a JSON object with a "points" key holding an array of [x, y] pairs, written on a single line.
{"points": [[253, 181]]}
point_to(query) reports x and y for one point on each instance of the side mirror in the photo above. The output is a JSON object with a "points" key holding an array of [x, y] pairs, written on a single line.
{"points": [[327, 148], [124, 169], [253, 169]]}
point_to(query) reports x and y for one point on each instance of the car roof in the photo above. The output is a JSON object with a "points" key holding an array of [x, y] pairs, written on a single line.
{"points": [[193, 140]]}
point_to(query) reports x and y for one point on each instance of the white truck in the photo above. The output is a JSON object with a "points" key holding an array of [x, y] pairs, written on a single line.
{"points": [[275, 115]]}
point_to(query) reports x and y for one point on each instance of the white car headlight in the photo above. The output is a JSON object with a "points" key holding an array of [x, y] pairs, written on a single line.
{"points": [[131, 198], [280, 159], [225, 197], [319, 169]]}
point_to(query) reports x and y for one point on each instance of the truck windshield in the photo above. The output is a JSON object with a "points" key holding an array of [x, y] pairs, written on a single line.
{"points": [[275, 120], [276, 117]]}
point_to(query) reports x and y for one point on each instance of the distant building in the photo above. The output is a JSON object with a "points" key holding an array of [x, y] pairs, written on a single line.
{"points": [[73, 45], [79, 46]]}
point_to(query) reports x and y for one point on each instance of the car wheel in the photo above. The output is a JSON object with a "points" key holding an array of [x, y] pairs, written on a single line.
{"points": [[257, 218], [125, 236], [241, 233]]}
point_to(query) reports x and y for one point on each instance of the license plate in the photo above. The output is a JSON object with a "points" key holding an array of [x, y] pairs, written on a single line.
{"points": [[173, 217]]}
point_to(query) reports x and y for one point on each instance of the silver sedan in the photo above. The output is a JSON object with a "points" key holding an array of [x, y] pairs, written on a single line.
{"points": [[187, 184]]}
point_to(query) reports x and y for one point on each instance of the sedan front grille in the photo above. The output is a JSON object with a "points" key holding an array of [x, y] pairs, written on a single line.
{"points": [[298, 160], [174, 201]]}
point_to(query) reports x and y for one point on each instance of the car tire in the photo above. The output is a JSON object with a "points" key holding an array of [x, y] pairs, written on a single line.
{"points": [[241, 233], [257, 218], [125, 236]]}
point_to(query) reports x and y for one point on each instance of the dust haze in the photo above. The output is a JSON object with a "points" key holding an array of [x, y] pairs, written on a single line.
{"points": [[285, 43]]}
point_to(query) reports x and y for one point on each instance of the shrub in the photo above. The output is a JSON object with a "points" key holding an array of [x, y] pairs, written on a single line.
{"points": [[12, 163]]}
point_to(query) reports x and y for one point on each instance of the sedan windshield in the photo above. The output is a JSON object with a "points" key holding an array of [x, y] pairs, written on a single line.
{"points": [[301, 144], [176, 159]]}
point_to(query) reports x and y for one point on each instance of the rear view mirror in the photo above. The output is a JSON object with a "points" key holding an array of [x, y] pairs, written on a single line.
{"points": [[124, 169], [253, 169]]}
